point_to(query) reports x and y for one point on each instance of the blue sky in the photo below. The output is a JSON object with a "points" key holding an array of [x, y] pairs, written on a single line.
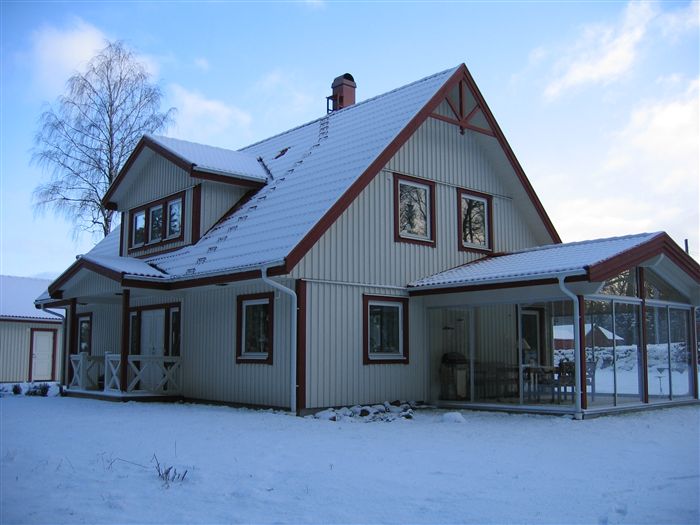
{"points": [[599, 100]]}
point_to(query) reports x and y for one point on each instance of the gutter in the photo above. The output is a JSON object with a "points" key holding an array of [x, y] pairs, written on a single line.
{"points": [[292, 336], [578, 414]]}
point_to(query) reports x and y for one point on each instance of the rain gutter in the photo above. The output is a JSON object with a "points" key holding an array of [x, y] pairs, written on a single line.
{"points": [[578, 413]]}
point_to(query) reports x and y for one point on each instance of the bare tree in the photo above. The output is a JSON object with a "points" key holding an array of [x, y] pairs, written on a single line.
{"points": [[85, 140]]}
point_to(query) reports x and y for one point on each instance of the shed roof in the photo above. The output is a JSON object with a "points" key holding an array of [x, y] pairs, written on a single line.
{"points": [[17, 295], [550, 261]]}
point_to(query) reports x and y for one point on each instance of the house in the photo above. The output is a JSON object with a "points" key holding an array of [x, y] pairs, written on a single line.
{"points": [[391, 249], [563, 336], [30, 339]]}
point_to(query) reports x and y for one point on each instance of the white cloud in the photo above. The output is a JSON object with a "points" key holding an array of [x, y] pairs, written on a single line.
{"points": [[676, 23], [603, 53], [207, 120], [58, 53], [648, 179], [202, 63]]}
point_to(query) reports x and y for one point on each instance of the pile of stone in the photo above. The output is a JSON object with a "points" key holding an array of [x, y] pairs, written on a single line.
{"points": [[384, 412]]}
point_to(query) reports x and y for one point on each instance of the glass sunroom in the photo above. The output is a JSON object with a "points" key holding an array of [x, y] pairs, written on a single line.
{"points": [[573, 328]]}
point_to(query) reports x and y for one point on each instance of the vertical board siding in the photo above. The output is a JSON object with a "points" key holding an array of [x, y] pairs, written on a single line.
{"points": [[334, 366], [106, 327], [217, 199], [15, 341], [88, 283], [158, 177], [209, 349], [359, 247]]}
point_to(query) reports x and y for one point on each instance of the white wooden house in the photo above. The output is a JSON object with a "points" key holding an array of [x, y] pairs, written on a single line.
{"points": [[391, 249], [30, 339]]}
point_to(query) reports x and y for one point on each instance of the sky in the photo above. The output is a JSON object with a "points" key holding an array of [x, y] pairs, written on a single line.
{"points": [[599, 100]]}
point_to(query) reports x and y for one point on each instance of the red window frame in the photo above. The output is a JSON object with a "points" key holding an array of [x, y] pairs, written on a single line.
{"points": [[240, 355], [431, 240], [146, 208], [489, 220], [366, 301]]}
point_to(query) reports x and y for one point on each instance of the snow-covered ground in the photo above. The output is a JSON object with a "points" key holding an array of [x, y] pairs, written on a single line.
{"points": [[65, 460]]}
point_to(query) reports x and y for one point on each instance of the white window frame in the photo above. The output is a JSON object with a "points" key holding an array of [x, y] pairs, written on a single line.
{"points": [[429, 234], [244, 307], [487, 237], [380, 356], [150, 223], [135, 215], [168, 235]]}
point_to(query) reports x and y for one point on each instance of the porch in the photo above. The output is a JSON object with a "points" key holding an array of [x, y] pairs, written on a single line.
{"points": [[146, 375]]}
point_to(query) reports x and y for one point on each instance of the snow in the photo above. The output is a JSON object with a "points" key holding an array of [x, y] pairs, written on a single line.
{"points": [[566, 332], [17, 296], [548, 261], [67, 460]]}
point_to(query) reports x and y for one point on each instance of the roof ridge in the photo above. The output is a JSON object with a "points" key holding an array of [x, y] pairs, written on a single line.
{"points": [[348, 108], [575, 243], [25, 277], [157, 137]]}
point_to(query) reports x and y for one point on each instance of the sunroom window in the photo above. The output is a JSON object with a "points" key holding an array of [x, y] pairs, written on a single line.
{"points": [[474, 220], [414, 201]]}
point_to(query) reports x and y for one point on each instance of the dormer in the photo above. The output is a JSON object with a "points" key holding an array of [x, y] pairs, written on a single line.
{"points": [[170, 192]]}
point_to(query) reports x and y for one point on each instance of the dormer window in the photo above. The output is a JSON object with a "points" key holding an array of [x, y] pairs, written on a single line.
{"points": [[157, 223]]}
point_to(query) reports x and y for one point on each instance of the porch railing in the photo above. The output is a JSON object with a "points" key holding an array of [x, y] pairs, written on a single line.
{"points": [[87, 371], [145, 374]]}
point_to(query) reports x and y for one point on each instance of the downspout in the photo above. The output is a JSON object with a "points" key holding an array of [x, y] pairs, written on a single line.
{"points": [[293, 335], [578, 413]]}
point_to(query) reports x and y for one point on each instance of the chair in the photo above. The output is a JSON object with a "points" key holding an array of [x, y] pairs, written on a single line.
{"points": [[566, 379]]}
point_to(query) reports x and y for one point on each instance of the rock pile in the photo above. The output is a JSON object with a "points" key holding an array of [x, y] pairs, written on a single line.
{"points": [[366, 413]]}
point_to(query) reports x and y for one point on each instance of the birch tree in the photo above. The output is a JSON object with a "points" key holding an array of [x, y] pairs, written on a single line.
{"points": [[85, 138]]}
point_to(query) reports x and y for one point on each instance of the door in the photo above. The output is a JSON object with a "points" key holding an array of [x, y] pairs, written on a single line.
{"points": [[42, 354], [531, 337], [152, 345]]}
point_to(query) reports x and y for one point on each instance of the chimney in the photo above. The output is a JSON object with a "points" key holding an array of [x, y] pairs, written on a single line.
{"points": [[343, 93]]}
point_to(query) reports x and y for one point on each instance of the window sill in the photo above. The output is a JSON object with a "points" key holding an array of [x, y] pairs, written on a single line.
{"points": [[261, 358], [474, 248], [377, 359], [416, 240]]}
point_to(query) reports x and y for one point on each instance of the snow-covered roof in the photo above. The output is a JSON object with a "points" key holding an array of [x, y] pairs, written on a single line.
{"points": [[566, 332], [542, 262], [215, 160], [17, 296]]}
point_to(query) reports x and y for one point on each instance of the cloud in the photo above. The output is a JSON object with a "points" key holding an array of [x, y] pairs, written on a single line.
{"points": [[603, 53], [209, 121], [57, 54], [676, 23], [201, 64], [316, 4]]}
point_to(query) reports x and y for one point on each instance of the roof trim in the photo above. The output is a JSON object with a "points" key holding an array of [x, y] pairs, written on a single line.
{"points": [[478, 287], [461, 73], [73, 269], [216, 176]]}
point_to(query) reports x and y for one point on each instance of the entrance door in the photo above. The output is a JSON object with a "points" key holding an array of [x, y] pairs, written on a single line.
{"points": [[42, 355], [152, 344]]}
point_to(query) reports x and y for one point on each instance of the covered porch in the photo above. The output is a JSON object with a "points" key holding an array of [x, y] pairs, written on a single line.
{"points": [[566, 340]]}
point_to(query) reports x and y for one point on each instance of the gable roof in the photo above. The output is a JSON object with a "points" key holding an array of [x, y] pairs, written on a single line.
{"points": [[594, 260], [17, 296], [313, 173]]}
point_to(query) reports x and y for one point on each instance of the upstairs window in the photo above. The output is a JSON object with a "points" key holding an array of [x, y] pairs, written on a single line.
{"points": [[156, 223], [474, 214], [255, 315], [414, 203]]}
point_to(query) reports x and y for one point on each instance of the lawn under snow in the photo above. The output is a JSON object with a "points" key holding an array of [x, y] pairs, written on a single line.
{"points": [[66, 460]]}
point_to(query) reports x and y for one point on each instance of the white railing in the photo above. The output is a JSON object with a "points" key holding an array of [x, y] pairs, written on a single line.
{"points": [[145, 374], [87, 371]]}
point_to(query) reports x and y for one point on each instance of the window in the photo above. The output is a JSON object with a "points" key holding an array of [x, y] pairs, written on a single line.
{"points": [[139, 228], [474, 215], [254, 327], [414, 204], [385, 330], [159, 222], [156, 224], [174, 218], [85, 333], [174, 328]]}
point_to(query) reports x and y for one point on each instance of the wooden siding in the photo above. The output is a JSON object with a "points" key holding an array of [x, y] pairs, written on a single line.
{"points": [[334, 368], [209, 363], [15, 341], [359, 247], [157, 178], [90, 284], [106, 327], [217, 199]]}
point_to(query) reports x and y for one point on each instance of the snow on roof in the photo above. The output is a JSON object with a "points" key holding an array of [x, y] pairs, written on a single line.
{"points": [[566, 332], [312, 166], [212, 159], [17, 296], [537, 263]]}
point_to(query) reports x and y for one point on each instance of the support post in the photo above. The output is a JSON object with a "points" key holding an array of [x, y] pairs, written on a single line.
{"points": [[576, 301], [72, 342], [124, 358]]}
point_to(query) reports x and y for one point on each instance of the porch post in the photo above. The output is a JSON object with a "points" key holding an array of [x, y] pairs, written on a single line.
{"points": [[582, 344], [72, 343], [694, 349], [124, 359]]}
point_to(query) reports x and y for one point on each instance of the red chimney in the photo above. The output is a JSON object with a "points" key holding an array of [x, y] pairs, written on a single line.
{"points": [[343, 93]]}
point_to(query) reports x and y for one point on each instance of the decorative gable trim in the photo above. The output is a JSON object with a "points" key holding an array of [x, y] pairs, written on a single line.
{"points": [[461, 77]]}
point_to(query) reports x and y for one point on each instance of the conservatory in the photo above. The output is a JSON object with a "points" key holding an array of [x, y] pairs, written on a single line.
{"points": [[575, 328]]}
